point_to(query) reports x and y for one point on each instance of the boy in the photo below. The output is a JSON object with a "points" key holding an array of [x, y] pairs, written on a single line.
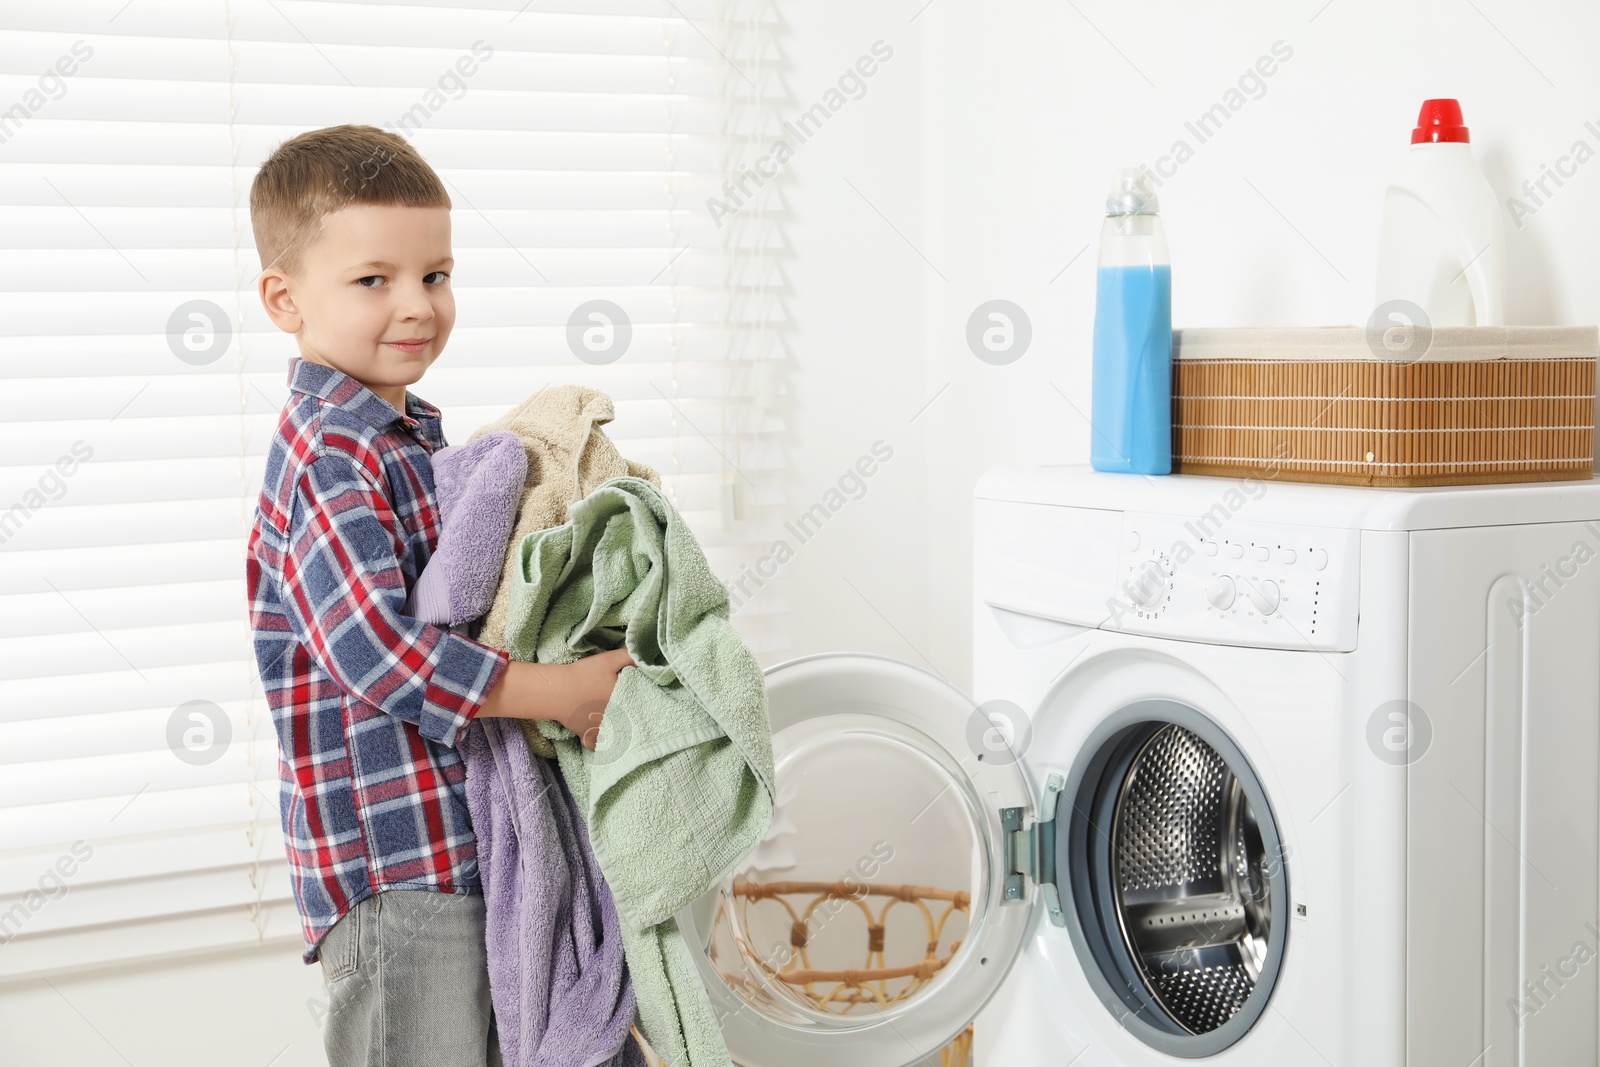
{"points": [[353, 231]]}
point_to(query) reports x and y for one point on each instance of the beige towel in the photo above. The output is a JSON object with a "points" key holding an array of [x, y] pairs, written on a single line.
{"points": [[569, 456]]}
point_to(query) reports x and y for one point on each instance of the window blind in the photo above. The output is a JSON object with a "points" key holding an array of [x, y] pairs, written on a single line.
{"points": [[142, 380]]}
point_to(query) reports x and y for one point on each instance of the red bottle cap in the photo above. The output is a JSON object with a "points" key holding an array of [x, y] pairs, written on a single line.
{"points": [[1439, 120]]}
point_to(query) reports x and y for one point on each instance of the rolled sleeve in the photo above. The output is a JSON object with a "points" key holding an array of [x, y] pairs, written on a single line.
{"points": [[458, 686], [344, 594]]}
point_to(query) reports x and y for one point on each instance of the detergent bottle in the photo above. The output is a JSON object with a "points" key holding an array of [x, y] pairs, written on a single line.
{"points": [[1442, 243], [1131, 416]]}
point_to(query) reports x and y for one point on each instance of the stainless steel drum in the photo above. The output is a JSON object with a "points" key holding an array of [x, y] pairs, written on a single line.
{"points": [[1178, 879]]}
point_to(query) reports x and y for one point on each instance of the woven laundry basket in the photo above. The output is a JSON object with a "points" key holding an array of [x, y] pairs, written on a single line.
{"points": [[880, 976], [1405, 407]]}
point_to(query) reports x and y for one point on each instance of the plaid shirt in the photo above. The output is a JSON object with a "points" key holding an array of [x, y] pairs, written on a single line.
{"points": [[368, 703]]}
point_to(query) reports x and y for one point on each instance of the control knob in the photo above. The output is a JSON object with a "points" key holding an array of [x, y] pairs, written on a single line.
{"points": [[1220, 592], [1148, 587], [1264, 596]]}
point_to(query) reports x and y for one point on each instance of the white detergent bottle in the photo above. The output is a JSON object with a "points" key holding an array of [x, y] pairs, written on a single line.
{"points": [[1442, 243]]}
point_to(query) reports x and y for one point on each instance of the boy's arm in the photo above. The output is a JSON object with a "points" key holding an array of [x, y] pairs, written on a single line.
{"points": [[343, 590], [573, 694]]}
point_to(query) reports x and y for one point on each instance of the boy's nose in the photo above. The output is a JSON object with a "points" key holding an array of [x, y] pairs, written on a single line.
{"points": [[415, 305]]}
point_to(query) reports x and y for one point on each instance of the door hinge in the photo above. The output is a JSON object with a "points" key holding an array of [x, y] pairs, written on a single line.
{"points": [[1031, 852]]}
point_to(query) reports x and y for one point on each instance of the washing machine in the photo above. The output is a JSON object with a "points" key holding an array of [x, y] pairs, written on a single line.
{"points": [[1253, 773]]}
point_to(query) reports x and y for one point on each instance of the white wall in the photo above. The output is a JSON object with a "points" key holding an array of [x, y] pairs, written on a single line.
{"points": [[855, 342]]}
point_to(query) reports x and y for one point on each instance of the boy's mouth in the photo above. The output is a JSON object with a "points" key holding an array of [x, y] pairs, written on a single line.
{"points": [[413, 345]]}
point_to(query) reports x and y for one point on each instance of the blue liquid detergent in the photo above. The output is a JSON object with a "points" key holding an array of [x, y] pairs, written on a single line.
{"points": [[1131, 418]]}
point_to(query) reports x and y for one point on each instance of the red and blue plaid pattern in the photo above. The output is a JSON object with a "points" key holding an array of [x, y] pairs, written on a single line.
{"points": [[368, 703]]}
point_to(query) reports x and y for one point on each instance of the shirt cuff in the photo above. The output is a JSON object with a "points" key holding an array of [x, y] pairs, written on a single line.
{"points": [[460, 682]]}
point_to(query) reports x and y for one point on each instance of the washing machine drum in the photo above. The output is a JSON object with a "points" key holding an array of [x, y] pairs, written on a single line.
{"points": [[1179, 887]]}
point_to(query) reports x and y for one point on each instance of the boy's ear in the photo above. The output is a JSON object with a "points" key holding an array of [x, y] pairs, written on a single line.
{"points": [[273, 287]]}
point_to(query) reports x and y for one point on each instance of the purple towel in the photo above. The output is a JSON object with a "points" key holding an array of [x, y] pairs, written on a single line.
{"points": [[479, 485], [557, 976]]}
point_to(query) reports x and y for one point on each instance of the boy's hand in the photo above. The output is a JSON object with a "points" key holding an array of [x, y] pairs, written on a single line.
{"points": [[572, 694], [592, 679]]}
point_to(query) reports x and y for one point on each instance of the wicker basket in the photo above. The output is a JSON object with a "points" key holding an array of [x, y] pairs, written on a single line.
{"points": [[1403, 407], [878, 982]]}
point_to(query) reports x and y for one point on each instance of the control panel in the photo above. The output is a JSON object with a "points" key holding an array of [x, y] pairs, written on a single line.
{"points": [[1210, 578]]}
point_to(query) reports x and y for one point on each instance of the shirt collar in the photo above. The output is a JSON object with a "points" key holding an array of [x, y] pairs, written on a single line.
{"points": [[343, 391]]}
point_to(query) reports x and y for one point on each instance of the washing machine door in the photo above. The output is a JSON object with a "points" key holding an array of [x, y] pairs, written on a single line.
{"points": [[872, 924]]}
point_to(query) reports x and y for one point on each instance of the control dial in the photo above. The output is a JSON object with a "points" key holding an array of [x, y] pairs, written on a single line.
{"points": [[1148, 588], [1220, 592], [1264, 596]]}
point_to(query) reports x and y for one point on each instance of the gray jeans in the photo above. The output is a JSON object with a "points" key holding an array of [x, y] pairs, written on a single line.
{"points": [[408, 983]]}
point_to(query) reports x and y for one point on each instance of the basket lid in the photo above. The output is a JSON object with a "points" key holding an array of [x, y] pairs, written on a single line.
{"points": [[1396, 343]]}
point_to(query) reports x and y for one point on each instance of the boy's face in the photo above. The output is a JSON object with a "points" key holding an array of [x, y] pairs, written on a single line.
{"points": [[375, 276]]}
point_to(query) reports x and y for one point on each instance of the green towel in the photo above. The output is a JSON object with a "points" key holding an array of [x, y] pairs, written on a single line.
{"points": [[678, 788]]}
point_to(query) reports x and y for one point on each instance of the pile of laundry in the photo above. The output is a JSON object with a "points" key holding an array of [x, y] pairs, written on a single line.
{"points": [[553, 546]]}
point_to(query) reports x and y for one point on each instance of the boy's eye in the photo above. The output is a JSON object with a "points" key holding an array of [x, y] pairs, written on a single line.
{"points": [[432, 278]]}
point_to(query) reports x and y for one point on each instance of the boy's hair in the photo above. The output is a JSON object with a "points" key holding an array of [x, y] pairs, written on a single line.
{"points": [[321, 171]]}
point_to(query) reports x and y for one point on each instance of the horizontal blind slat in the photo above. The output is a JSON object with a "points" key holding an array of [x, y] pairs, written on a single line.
{"points": [[43, 140], [109, 861], [230, 926], [135, 813], [479, 106], [156, 184], [330, 29]]}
